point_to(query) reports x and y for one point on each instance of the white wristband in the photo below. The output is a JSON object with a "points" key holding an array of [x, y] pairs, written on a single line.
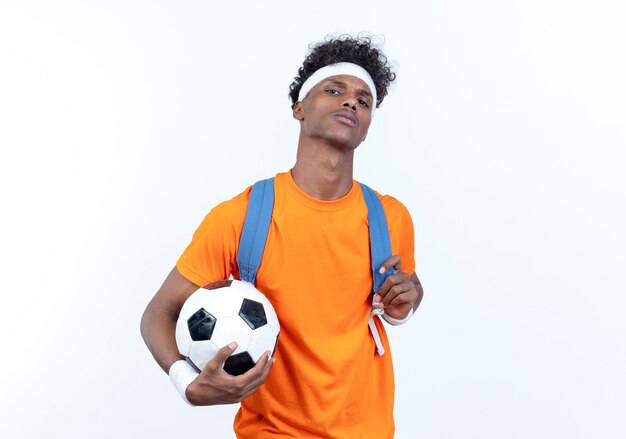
{"points": [[397, 322], [181, 375]]}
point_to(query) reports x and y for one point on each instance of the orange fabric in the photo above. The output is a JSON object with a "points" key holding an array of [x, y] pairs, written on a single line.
{"points": [[327, 381]]}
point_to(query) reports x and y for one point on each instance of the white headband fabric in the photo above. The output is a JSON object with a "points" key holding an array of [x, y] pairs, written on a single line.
{"points": [[342, 68]]}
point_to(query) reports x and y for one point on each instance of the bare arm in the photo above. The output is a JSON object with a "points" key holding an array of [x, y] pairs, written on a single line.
{"points": [[418, 287], [213, 385], [158, 324]]}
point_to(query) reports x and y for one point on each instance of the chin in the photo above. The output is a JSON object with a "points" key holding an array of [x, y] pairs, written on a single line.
{"points": [[344, 143]]}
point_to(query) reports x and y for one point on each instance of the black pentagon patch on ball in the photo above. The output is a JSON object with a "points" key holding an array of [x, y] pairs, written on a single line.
{"points": [[238, 364], [201, 325], [253, 313]]}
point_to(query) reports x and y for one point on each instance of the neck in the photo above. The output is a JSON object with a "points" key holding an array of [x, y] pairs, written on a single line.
{"points": [[323, 171]]}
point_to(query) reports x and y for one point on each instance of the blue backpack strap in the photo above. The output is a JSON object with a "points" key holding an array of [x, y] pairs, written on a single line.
{"points": [[380, 244], [255, 229], [257, 223]]}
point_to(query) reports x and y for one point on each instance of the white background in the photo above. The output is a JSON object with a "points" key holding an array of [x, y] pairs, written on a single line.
{"points": [[123, 122]]}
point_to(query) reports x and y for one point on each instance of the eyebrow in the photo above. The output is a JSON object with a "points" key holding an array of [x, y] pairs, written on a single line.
{"points": [[344, 85]]}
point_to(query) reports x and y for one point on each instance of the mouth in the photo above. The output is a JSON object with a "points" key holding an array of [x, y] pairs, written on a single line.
{"points": [[347, 118]]}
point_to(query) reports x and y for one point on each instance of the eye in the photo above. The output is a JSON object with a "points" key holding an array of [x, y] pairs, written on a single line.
{"points": [[364, 103], [332, 91]]}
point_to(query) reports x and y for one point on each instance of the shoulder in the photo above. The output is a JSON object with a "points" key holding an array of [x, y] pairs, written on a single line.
{"points": [[235, 208], [227, 215], [392, 206], [396, 213], [392, 203], [401, 231], [240, 201], [234, 205]]}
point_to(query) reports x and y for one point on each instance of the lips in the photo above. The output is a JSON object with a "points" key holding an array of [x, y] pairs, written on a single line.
{"points": [[347, 117]]}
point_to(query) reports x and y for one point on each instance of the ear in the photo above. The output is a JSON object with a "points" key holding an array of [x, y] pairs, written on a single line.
{"points": [[298, 111]]}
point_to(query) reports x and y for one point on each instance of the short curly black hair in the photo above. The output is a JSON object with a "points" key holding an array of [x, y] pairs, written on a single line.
{"points": [[345, 48]]}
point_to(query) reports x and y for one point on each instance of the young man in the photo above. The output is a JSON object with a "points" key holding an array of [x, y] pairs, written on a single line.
{"points": [[329, 376]]}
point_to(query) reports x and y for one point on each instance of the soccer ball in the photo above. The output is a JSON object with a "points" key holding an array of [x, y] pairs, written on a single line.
{"points": [[223, 312]]}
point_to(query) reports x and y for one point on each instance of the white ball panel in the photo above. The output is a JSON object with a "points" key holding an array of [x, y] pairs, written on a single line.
{"points": [[201, 352], [229, 329], [275, 326], [263, 339], [223, 302], [245, 287], [183, 337], [193, 304]]}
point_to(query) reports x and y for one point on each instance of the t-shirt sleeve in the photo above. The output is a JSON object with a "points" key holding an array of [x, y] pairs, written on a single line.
{"points": [[212, 253], [401, 232]]}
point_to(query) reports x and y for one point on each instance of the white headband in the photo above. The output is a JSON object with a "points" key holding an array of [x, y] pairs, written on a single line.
{"points": [[342, 68]]}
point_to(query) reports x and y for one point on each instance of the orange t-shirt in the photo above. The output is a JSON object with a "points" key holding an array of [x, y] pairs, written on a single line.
{"points": [[327, 380]]}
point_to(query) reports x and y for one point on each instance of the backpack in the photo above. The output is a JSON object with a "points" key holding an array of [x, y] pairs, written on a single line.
{"points": [[256, 226]]}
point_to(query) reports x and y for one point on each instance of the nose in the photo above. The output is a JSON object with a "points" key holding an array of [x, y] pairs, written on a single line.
{"points": [[350, 102]]}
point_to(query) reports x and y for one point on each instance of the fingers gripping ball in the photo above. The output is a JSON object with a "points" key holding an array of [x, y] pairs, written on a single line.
{"points": [[223, 312]]}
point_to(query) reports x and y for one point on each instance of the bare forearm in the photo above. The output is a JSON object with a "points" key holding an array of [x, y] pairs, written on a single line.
{"points": [[158, 331], [420, 290], [158, 323]]}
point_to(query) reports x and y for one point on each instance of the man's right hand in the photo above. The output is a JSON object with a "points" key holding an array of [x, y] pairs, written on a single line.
{"points": [[215, 386]]}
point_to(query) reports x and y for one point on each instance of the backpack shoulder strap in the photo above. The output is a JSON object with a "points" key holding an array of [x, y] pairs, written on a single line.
{"points": [[255, 228], [380, 251], [257, 222], [380, 244]]}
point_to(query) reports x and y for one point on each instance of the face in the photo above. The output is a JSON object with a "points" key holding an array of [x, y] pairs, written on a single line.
{"points": [[338, 110]]}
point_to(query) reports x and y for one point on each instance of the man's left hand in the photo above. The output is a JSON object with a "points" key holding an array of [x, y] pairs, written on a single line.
{"points": [[400, 293]]}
